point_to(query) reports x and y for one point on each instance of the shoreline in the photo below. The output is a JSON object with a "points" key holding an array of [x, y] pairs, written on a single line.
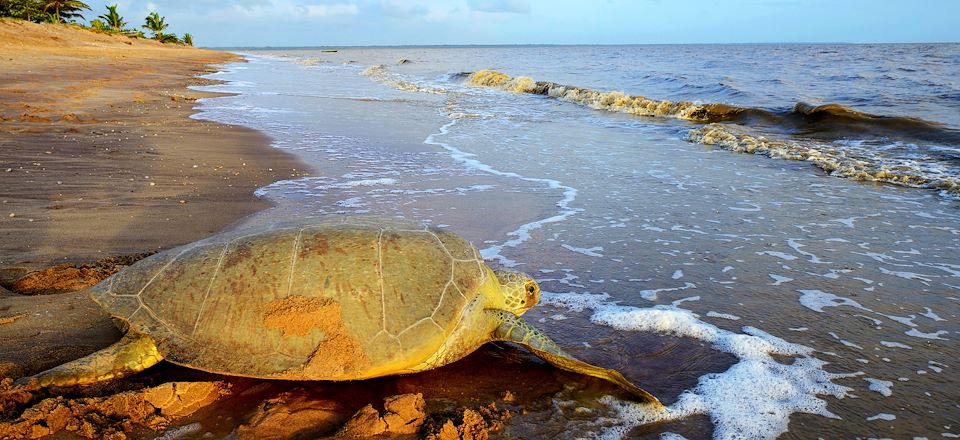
{"points": [[750, 248], [681, 269], [101, 155], [124, 170], [101, 159]]}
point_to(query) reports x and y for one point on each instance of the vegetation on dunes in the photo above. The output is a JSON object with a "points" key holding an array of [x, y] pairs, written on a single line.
{"points": [[64, 9], [112, 19], [71, 12]]}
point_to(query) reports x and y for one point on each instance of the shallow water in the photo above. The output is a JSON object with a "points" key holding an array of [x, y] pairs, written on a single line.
{"points": [[746, 292]]}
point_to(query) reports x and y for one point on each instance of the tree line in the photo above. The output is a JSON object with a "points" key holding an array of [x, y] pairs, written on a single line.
{"points": [[69, 11]]}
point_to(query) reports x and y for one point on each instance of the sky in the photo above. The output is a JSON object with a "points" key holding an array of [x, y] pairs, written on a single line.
{"points": [[255, 23]]}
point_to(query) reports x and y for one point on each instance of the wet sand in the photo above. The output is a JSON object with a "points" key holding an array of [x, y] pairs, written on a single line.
{"points": [[99, 160], [101, 165], [100, 157]]}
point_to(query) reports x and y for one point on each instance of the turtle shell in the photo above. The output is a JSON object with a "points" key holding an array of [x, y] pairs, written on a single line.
{"points": [[333, 300]]}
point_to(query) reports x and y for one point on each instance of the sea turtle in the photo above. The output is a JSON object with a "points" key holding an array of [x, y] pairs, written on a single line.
{"points": [[337, 299]]}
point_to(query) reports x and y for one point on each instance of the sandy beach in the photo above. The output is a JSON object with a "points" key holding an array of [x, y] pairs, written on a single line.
{"points": [[692, 270], [757, 295], [100, 166], [99, 156], [100, 159]]}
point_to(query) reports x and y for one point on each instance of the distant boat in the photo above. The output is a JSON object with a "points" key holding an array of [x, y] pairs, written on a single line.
{"points": [[329, 50]]}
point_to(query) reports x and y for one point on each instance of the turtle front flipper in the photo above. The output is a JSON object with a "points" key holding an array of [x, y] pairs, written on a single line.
{"points": [[132, 354], [514, 329]]}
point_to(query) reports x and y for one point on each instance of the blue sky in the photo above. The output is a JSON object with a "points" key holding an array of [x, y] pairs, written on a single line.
{"points": [[400, 22]]}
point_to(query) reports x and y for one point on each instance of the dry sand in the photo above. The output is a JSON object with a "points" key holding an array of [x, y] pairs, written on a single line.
{"points": [[100, 165], [99, 157]]}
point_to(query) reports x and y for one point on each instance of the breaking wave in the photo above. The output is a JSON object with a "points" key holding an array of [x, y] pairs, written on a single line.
{"points": [[839, 140], [829, 120], [842, 159], [379, 73], [610, 101]]}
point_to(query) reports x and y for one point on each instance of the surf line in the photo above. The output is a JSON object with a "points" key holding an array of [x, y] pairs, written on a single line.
{"points": [[522, 233]]}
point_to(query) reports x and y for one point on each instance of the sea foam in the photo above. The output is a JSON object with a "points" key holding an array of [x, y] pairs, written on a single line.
{"points": [[522, 233], [842, 158], [379, 73], [836, 159], [611, 101], [752, 399]]}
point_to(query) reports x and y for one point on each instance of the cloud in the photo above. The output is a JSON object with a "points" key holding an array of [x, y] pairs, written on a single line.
{"points": [[205, 5], [512, 6], [332, 10], [398, 9]]}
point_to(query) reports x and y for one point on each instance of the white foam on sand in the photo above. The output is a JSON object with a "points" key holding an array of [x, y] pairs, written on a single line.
{"points": [[795, 245], [574, 301], [368, 182], [651, 295], [919, 334], [816, 300], [522, 233], [590, 252], [713, 314], [752, 399], [352, 202], [882, 416], [779, 279], [845, 342], [929, 314], [880, 386], [894, 345], [780, 255]]}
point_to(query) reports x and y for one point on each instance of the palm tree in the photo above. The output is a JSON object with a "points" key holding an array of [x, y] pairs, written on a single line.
{"points": [[169, 38], [99, 25], [155, 23], [113, 19], [64, 9], [31, 10], [188, 39]]}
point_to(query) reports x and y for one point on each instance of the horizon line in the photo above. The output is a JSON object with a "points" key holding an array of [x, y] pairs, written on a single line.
{"points": [[482, 45]]}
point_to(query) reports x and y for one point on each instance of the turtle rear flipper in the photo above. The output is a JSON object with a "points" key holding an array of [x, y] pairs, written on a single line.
{"points": [[514, 329], [131, 354]]}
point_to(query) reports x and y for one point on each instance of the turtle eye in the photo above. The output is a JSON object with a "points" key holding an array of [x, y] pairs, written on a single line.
{"points": [[531, 288]]}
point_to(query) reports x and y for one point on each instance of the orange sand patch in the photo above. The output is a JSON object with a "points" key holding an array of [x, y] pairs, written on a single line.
{"points": [[117, 415], [298, 316]]}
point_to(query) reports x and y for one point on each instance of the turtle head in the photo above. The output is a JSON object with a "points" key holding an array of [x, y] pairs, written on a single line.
{"points": [[520, 291]]}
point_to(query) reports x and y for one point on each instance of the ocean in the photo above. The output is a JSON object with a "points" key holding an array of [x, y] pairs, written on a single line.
{"points": [[767, 237]]}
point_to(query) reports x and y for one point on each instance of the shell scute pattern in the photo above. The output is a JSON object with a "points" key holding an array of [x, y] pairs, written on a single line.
{"points": [[252, 273], [318, 301], [416, 270], [176, 296]]}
